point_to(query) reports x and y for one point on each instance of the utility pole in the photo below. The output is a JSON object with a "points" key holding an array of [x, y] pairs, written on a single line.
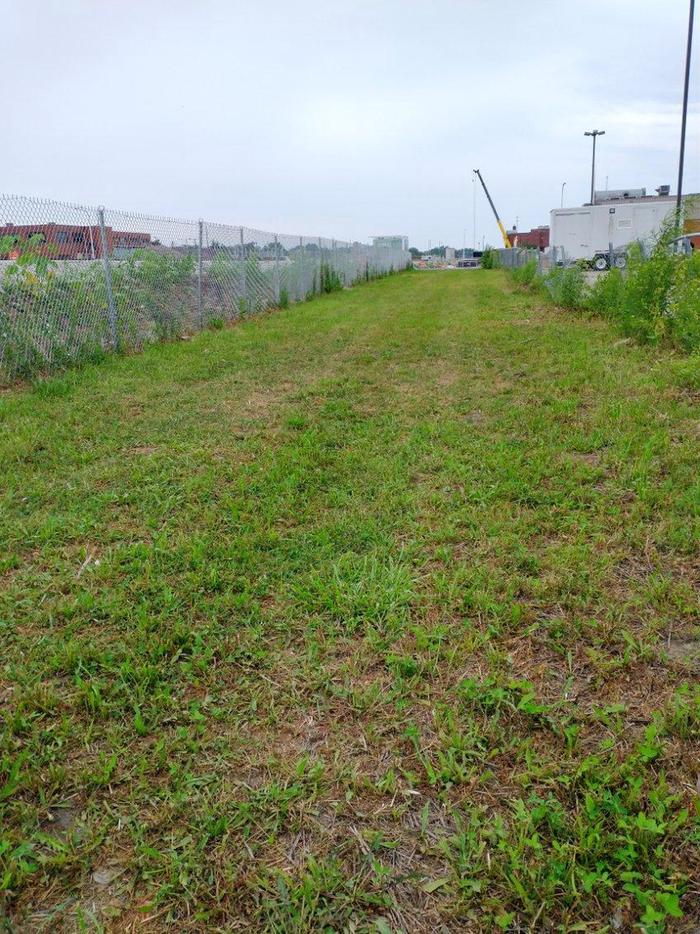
{"points": [[595, 134], [689, 47]]}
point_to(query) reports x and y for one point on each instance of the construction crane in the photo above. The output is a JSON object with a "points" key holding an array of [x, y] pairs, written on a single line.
{"points": [[506, 240]]}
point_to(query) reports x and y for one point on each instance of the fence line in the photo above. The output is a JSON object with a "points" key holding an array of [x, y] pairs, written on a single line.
{"points": [[515, 257], [77, 281]]}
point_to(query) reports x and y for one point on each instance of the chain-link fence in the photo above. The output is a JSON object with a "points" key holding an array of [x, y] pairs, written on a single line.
{"points": [[521, 256], [515, 257], [76, 281]]}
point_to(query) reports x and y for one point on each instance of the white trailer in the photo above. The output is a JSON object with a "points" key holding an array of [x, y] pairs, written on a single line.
{"points": [[587, 232]]}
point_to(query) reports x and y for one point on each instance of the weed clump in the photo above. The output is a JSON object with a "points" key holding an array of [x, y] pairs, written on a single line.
{"points": [[526, 275], [566, 286], [656, 299], [54, 315], [489, 258]]}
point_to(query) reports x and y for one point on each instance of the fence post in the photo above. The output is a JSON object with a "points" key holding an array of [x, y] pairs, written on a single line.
{"points": [[302, 296], [91, 227], [111, 308], [245, 275], [277, 271], [200, 306], [320, 267]]}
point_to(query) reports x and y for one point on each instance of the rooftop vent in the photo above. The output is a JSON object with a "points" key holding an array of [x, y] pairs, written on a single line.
{"points": [[619, 194]]}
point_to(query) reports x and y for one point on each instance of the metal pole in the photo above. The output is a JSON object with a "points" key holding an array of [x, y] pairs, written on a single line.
{"points": [[245, 277], [594, 134], [302, 296], [200, 306], [320, 267], [563, 185], [92, 241], [277, 270], [111, 307], [681, 160]]}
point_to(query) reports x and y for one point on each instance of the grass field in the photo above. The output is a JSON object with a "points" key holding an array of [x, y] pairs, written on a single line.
{"points": [[376, 614]]}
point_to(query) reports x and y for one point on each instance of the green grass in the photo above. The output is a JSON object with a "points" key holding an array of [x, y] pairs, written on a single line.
{"points": [[379, 613], [656, 300]]}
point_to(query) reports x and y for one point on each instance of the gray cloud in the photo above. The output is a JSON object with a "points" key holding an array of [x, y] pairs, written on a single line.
{"points": [[344, 119]]}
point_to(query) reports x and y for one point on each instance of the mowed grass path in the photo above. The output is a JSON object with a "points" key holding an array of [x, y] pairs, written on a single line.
{"points": [[375, 614]]}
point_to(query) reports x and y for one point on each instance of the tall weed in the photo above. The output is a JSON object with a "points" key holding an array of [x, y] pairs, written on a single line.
{"points": [[489, 258], [682, 317], [657, 298], [607, 295], [647, 285], [566, 286], [526, 275]]}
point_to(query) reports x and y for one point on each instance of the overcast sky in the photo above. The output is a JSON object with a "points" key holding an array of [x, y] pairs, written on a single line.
{"points": [[345, 119]]}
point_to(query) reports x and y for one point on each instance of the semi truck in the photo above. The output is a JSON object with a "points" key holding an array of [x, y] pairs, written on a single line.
{"points": [[603, 231]]}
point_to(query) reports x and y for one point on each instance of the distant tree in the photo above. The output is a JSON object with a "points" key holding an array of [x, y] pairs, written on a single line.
{"points": [[273, 249], [416, 254], [296, 250]]}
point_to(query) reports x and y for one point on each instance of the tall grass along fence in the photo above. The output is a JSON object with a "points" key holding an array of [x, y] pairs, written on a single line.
{"points": [[655, 299], [77, 282]]}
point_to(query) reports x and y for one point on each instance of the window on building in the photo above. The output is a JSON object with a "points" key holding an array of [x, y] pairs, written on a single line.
{"points": [[61, 236]]}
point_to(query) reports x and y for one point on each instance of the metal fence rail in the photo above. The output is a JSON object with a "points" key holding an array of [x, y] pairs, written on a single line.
{"points": [[78, 281]]}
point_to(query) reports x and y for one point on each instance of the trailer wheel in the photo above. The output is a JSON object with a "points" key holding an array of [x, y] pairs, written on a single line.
{"points": [[600, 263], [620, 262]]}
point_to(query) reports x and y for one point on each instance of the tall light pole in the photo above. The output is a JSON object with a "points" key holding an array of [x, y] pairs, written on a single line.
{"points": [[681, 159], [563, 186], [595, 134]]}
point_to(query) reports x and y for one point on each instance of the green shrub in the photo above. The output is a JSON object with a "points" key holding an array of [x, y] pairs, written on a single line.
{"points": [[154, 294], [49, 318], [656, 298], [607, 295], [330, 280], [566, 286], [54, 315], [224, 270], [489, 258], [526, 275], [647, 286], [682, 312]]}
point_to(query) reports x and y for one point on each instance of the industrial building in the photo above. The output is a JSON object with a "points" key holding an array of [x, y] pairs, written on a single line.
{"points": [[71, 241], [537, 238], [392, 241], [614, 221]]}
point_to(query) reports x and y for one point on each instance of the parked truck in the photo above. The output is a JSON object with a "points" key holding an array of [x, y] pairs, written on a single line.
{"points": [[603, 231]]}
